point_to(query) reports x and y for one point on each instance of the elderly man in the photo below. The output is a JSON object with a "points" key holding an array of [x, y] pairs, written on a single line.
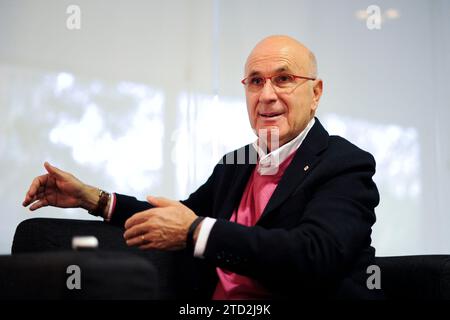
{"points": [[300, 227]]}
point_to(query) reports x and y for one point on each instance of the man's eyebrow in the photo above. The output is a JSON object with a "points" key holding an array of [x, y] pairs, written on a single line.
{"points": [[254, 73], [278, 70]]}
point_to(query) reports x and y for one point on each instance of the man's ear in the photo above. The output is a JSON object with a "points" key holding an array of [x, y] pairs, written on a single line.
{"points": [[317, 92]]}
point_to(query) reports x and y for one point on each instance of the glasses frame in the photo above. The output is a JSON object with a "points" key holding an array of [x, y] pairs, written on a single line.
{"points": [[276, 75]]}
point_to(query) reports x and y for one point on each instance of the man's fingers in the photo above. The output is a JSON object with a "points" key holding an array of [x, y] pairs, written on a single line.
{"points": [[133, 232], [53, 170], [138, 218], [136, 231], [33, 189], [140, 238], [30, 200], [39, 204], [135, 219], [37, 186], [162, 202], [136, 241], [39, 196]]}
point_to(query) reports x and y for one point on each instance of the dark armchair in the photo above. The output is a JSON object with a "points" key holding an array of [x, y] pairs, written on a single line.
{"points": [[42, 250], [416, 277]]}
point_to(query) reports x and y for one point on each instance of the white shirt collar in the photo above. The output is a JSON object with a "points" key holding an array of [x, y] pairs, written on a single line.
{"points": [[269, 162]]}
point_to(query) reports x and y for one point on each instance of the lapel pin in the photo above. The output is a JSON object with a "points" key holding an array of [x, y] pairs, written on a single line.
{"points": [[306, 168]]}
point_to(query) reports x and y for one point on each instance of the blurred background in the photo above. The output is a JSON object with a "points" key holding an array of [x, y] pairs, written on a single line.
{"points": [[143, 97]]}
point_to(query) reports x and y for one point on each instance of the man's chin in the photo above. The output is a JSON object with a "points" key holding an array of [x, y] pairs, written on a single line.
{"points": [[269, 128], [270, 132]]}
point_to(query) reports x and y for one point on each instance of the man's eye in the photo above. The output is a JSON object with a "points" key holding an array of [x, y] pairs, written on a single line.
{"points": [[256, 81], [283, 79]]}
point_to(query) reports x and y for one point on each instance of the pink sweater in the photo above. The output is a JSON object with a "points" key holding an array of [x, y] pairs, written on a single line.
{"points": [[256, 195]]}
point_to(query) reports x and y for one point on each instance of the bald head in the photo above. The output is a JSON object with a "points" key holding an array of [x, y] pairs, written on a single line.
{"points": [[284, 45]]}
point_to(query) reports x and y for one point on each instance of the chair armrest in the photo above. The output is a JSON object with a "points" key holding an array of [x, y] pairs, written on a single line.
{"points": [[415, 277], [98, 275], [39, 235], [44, 234]]}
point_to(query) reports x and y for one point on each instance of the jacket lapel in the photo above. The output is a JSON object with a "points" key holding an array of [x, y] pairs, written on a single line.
{"points": [[240, 178], [305, 159]]}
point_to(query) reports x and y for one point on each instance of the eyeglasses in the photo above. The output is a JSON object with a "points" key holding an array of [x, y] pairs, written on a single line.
{"points": [[283, 82]]}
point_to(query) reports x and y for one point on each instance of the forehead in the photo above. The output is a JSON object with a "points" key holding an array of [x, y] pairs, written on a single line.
{"points": [[270, 61]]}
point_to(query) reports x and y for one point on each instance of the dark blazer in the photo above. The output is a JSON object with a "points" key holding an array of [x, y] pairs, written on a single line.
{"points": [[313, 238]]}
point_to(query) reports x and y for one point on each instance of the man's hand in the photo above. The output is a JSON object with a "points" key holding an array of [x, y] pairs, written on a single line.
{"points": [[164, 227], [60, 189]]}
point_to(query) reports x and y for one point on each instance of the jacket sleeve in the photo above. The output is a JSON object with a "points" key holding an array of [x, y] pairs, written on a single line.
{"points": [[125, 207], [334, 228]]}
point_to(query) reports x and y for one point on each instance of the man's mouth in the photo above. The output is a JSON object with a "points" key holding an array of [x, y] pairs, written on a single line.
{"points": [[270, 115]]}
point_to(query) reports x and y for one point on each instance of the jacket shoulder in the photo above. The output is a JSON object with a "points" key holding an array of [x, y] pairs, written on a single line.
{"points": [[341, 147]]}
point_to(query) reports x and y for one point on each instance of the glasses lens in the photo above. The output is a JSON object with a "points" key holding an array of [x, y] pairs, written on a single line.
{"points": [[255, 82], [283, 80]]}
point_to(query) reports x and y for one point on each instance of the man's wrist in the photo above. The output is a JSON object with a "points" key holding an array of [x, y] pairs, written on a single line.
{"points": [[96, 201], [193, 228], [89, 198], [196, 232]]}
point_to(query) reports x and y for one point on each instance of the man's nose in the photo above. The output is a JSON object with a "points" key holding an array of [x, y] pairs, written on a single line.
{"points": [[268, 93]]}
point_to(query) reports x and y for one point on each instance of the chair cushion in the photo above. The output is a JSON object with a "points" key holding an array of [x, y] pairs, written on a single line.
{"points": [[415, 277], [102, 275]]}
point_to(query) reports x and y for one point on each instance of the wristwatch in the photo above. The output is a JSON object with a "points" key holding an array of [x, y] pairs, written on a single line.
{"points": [[103, 198]]}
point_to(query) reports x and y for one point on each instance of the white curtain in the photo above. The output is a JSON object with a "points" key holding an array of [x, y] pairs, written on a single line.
{"points": [[145, 97]]}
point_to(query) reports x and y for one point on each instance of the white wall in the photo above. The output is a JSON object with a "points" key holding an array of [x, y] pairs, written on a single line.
{"points": [[145, 97]]}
